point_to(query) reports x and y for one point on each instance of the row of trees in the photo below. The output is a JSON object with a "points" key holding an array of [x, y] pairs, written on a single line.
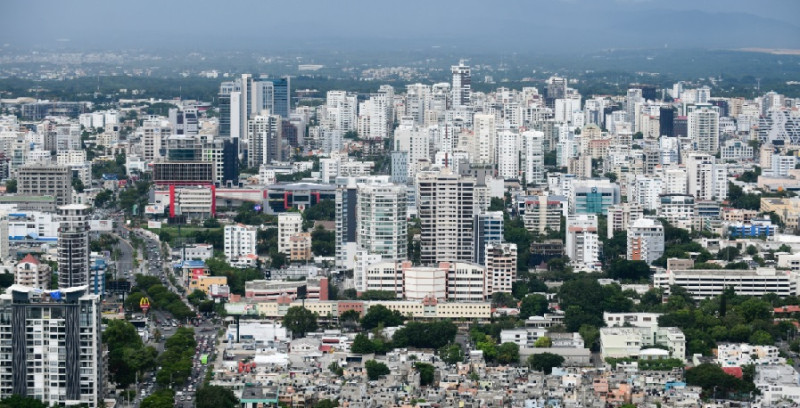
{"points": [[428, 335], [127, 354], [160, 297], [176, 360]]}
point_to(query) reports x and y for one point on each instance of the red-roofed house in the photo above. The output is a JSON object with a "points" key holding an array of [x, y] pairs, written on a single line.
{"points": [[734, 371], [787, 309], [32, 273]]}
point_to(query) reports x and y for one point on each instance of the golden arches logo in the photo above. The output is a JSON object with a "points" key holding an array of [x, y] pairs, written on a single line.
{"points": [[144, 304]]}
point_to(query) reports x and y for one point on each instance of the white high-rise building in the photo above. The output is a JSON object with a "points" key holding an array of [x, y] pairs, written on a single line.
{"points": [[382, 224], [289, 224], [675, 180], [508, 148], [413, 140], [645, 240], [620, 216], [501, 267], [264, 139], [462, 85], [583, 243], [341, 111], [240, 241], [417, 101], [53, 350], [706, 180], [703, 129], [485, 138], [645, 191], [446, 206], [73, 245], [533, 156]]}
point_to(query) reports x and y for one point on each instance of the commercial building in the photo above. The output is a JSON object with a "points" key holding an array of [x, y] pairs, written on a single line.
{"points": [[258, 290], [52, 348], [446, 206], [705, 283], [183, 173], [645, 240], [300, 247], [593, 196], [240, 241], [451, 281], [73, 245], [678, 209], [46, 180], [205, 282], [703, 128]]}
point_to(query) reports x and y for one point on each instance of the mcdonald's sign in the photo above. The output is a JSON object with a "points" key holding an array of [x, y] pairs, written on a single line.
{"points": [[144, 304]]}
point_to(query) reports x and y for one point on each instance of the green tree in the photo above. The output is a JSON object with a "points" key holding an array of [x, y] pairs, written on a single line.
{"points": [[196, 297], [543, 342], [710, 377], [761, 338], [545, 362], [533, 305], [327, 403], [211, 223], [300, 320], [508, 353], [362, 345], [214, 396], [336, 369], [77, 184], [11, 186], [431, 335], [452, 353], [381, 315], [497, 204], [18, 401], [503, 299], [629, 270], [323, 242], [591, 336], [375, 369], [159, 399], [426, 373]]}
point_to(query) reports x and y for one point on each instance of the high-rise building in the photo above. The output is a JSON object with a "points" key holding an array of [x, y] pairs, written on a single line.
{"points": [[583, 243], [264, 140], [703, 127], [485, 151], [645, 240], [184, 121], [73, 245], [593, 196], [446, 206], [46, 180], [508, 148], [52, 349], [240, 241], [4, 255], [501, 267], [620, 216], [533, 156], [488, 229], [382, 225], [462, 85], [289, 224], [666, 119], [543, 213]]}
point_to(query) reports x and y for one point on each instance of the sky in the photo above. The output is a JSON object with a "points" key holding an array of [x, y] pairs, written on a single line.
{"points": [[480, 26]]}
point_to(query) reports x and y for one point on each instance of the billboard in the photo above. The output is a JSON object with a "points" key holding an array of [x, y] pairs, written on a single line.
{"points": [[197, 272], [154, 209], [154, 224], [101, 225]]}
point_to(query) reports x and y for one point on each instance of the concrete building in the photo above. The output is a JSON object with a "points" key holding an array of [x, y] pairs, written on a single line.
{"points": [[32, 273], [446, 206], [583, 243], [621, 342], [300, 247], [53, 349], [705, 283], [46, 180], [501, 267], [73, 245], [742, 354], [488, 229], [543, 213], [645, 240], [289, 224], [593, 196], [258, 290], [508, 154], [703, 128], [240, 241], [423, 282], [678, 209], [620, 216], [382, 224], [631, 319]]}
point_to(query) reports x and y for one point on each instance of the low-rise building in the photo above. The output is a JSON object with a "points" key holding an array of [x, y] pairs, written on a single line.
{"points": [[32, 273], [620, 342], [742, 354], [204, 283], [315, 288], [705, 283]]}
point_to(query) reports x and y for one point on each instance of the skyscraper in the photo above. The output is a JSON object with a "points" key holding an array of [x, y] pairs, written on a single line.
{"points": [[52, 348], [445, 203], [488, 229], [462, 85], [381, 215], [665, 121], [583, 243], [645, 240], [46, 180], [264, 140], [73, 245], [703, 127], [501, 267]]}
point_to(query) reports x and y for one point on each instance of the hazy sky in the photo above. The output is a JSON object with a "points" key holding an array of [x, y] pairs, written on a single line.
{"points": [[514, 25]]}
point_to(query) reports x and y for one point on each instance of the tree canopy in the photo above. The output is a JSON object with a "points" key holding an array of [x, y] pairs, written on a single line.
{"points": [[300, 321]]}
